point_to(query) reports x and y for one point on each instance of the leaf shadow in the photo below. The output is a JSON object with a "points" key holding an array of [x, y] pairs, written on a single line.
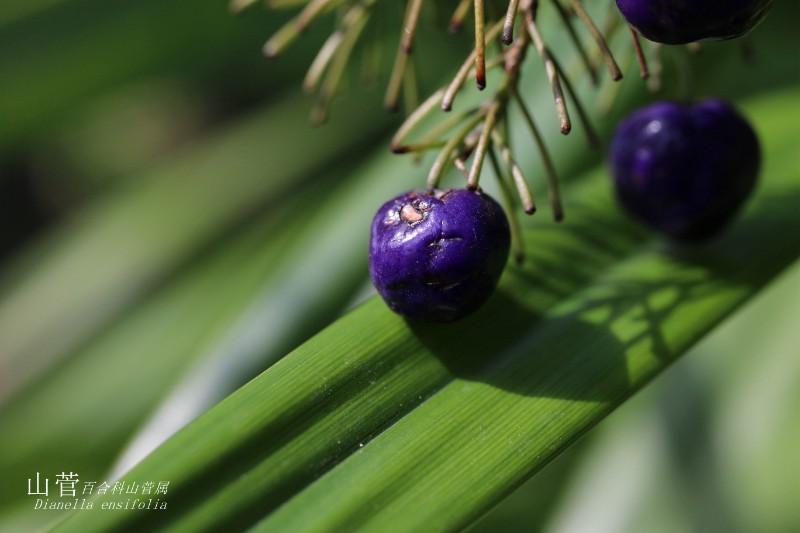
{"points": [[654, 300], [510, 347]]}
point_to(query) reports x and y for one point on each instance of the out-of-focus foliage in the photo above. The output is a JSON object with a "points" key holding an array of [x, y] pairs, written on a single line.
{"points": [[170, 226]]}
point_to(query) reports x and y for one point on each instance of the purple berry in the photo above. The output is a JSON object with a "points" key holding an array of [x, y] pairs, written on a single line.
{"points": [[438, 256], [686, 21], [685, 169]]}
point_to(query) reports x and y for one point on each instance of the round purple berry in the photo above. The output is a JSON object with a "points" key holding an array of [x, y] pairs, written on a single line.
{"points": [[685, 169], [437, 256], [686, 21]]}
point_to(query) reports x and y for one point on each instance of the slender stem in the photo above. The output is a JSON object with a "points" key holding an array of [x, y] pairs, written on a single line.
{"points": [[495, 61], [611, 26], [550, 169], [419, 147], [415, 118], [458, 81], [461, 76], [508, 26], [372, 56], [458, 162], [312, 10], [351, 19], [517, 245], [410, 90], [438, 167], [410, 29], [291, 30], [552, 73], [395, 80], [457, 20], [573, 35], [470, 142], [401, 59], [483, 145], [480, 45], [237, 6], [322, 59], [497, 106], [591, 135], [281, 39], [639, 54], [524, 192], [445, 126], [354, 21], [613, 68]]}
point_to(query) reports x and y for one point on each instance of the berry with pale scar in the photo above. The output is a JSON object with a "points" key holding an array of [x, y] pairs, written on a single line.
{"points": [[438, 255]]}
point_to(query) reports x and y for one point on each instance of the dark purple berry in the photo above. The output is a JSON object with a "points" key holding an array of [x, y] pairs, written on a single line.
{"points": [[685, 169], [438, 256], [686, 21]]}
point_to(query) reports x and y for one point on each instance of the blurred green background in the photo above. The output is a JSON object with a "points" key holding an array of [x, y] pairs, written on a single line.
{"points": [[170, 224]]}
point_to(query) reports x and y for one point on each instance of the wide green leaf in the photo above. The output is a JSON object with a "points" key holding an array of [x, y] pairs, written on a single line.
{"points": [[375, 416]]}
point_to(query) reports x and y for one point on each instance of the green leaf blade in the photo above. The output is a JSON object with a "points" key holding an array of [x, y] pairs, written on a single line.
{"points": [[375, 416]]}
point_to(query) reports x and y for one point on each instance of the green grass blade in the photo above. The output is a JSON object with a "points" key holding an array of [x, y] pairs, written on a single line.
{"points": [[375, 416], [202, 335]]}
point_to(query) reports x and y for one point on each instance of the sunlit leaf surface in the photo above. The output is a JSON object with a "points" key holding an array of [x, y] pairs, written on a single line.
{"points": [[202, 231], [374, 415]]}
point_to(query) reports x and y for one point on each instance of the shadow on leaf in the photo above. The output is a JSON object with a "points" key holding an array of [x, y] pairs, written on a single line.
{"points": [[578, 349]]}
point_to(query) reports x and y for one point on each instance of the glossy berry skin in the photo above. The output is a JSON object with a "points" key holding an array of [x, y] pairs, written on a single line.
{"points": [[685, 169], [438, 256], [686, 21]]}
